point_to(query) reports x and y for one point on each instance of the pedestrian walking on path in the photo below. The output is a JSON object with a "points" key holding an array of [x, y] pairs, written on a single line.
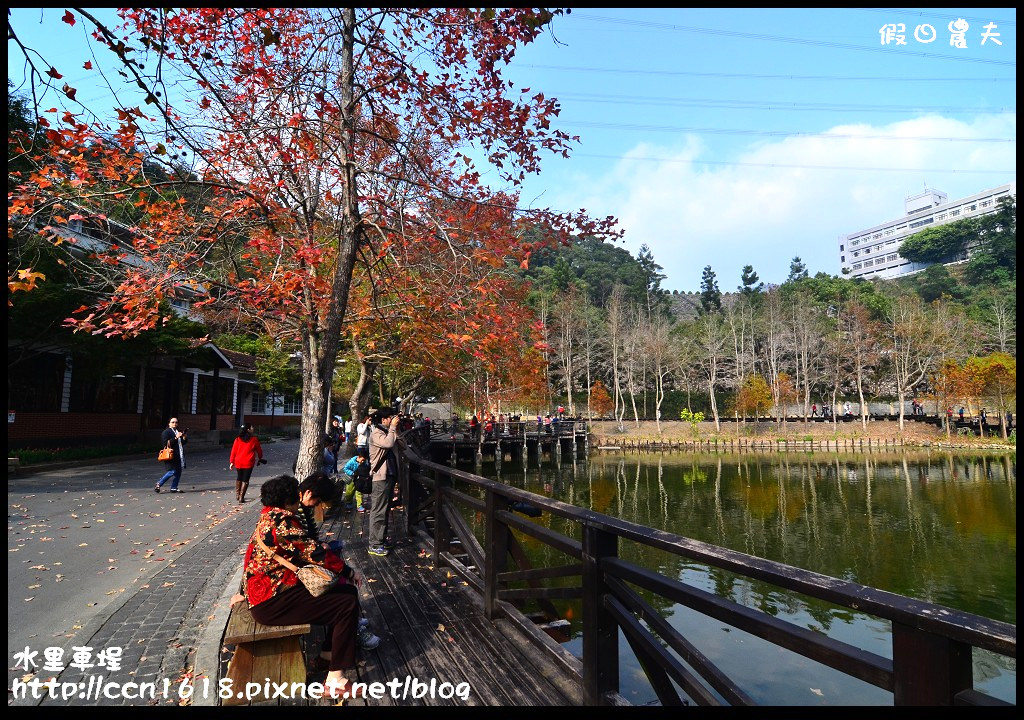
{"points": [[245, 453], [175, 440]]}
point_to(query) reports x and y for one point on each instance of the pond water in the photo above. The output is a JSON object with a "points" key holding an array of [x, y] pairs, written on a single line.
{"points": [[941, 527]]}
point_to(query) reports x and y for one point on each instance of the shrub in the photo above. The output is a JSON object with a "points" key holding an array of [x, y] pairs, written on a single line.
{"points": [[31, 456]]}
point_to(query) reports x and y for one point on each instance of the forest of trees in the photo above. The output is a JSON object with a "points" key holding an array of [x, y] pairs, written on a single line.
{"points": [[945, 335]]}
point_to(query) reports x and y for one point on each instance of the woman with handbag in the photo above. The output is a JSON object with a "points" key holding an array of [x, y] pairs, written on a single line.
{"points": [[284, 585], [245, 453], [172, 440]]}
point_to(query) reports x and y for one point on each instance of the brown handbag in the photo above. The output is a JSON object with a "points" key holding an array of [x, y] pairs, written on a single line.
{"points": [[165, 455]]}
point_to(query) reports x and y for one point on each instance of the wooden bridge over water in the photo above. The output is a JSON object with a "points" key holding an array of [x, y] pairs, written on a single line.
{"points": [[460, 601], [455, 441]]}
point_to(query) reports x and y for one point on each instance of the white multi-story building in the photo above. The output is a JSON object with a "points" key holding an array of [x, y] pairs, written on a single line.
{"points": [[874, 252]]}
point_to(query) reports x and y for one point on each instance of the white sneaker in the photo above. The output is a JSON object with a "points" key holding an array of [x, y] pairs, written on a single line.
{"points": [[367, 640]]}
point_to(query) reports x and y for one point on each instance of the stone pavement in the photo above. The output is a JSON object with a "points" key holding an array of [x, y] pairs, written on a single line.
{"points": [[163, 625]]}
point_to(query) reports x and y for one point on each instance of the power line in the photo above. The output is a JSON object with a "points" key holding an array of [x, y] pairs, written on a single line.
{"points": [[754, 76], [918, 13], [770, 105], [777, 133], [797, 167], [797, 41]]}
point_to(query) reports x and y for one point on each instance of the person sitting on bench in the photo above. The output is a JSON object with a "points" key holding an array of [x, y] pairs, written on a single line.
{"points": [[275, 595]]}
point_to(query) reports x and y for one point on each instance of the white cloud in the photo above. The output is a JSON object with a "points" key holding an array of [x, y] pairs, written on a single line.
{"points": [[727, 216]]}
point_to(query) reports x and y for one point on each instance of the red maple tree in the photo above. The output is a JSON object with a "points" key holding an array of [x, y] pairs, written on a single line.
{"points": [[305, 138]]}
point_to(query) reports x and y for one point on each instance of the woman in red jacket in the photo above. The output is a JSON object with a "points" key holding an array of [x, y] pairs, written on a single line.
{"points": [[244, 455]]}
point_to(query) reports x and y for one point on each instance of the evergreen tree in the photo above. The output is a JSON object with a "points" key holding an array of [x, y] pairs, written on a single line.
{"points": [[797, 270], [710, 295], [750, 285], [653, 277]]}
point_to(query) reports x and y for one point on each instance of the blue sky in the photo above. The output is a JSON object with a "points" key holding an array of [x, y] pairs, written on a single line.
{"points": [[727, 137]]}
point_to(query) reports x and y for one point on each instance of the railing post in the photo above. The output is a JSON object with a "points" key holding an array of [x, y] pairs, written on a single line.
{"points": [[600, 631], [442, 528], [495, 551], [928, 669], [405, 493]]}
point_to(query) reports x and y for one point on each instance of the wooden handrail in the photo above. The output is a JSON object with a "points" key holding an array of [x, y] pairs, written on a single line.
{"points": [[943, 635]]}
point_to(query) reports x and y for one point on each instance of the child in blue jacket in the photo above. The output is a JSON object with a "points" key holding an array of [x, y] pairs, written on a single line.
{"points": [[357, 466]]}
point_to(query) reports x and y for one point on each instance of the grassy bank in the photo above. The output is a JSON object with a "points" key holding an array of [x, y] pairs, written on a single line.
{"points": [[878, 431]]}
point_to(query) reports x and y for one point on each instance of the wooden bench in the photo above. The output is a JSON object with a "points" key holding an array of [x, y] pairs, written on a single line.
{"points": [[262, 652]]}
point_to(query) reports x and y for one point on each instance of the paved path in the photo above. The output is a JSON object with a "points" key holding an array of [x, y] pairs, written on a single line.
{"points": [[97, 559]]}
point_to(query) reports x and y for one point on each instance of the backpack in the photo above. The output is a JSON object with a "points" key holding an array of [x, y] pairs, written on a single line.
{"points": [[362, 480]]}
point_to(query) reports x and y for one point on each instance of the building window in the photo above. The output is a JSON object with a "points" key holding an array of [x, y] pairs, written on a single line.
{"points": [[869, 263], [941, 217], [857, 266], [103, 386], [890, 258], [842, 258], [876, 236], [34, 383], [889, 231], [840, 248], [292, 405], [258, 403], [923, 221], [855, 243], [185, 392], [207, 398], [954, 213]]}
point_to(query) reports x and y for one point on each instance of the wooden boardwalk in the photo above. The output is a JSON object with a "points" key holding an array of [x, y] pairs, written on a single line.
{"points": [[433, 627]]}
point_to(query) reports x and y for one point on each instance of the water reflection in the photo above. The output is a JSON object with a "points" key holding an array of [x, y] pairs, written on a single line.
{"points": [[939, 527]]}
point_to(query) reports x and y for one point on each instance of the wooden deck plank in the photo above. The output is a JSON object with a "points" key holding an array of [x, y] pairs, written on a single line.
{"points": [[458, 600], [448, 657], [387, 661], [399, 627], [451, 608]]}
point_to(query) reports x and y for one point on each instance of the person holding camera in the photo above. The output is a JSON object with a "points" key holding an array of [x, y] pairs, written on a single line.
{"points": [[175, 440], [383, 473], [244, 454]]}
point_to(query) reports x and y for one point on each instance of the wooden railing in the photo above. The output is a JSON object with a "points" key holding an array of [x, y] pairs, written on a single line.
{"points": [[512, 429], [931, 645]]}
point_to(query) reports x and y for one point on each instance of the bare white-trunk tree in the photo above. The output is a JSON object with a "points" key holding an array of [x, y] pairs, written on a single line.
{"points": [[658, 348], [616, 336], [911, 348], [711, 337]]}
